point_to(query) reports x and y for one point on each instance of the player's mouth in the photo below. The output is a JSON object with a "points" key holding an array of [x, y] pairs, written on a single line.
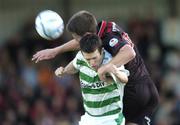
{"points": [[94, 66]]}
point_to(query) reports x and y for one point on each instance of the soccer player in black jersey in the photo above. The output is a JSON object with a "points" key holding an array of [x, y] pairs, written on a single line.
{"points": [[140, 94]]}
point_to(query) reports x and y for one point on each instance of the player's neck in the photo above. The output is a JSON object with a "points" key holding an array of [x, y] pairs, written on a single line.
{"points": [[102, 58]]}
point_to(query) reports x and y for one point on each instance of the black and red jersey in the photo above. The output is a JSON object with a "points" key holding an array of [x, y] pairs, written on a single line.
{"points": [[113, 38]]}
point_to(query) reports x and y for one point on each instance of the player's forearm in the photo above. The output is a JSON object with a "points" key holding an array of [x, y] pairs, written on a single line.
{"points": [[69, 69], [124, 55], [69, 46], [122, 77]]}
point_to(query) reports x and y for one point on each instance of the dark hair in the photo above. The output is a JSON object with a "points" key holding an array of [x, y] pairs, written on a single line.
{"points": [[82, 22], [90, 42]]}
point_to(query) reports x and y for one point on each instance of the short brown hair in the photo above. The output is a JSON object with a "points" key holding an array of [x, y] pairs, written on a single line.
{"points": [[81, 23], [90, 42]]}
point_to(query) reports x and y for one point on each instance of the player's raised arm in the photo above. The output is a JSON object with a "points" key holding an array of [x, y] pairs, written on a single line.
{"points": [[51, 53], [122, 56], [69, 69]]}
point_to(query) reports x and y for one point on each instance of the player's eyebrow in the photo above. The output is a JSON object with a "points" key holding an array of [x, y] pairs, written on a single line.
{"points": [[91, 58]]}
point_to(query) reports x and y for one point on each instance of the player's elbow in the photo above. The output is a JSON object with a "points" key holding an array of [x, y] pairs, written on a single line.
{"points": [[129, 51], [132, 53], [124, 80]]}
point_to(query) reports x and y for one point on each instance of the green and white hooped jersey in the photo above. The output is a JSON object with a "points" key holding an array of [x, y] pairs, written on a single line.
{"points": [[99, 98]]}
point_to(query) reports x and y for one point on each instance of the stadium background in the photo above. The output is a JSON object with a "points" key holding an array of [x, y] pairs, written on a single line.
{"points": [[30, 94]]}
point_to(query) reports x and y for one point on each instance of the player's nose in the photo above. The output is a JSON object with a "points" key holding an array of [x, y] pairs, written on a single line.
{"points": [[92, 63]]}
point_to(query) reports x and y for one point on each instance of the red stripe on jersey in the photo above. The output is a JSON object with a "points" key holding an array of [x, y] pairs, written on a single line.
{"points": [[102, 28], [109, 27], [126, 37]]}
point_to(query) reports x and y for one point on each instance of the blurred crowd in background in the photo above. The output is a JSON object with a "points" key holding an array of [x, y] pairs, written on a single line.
{"points": [[30, 93]]}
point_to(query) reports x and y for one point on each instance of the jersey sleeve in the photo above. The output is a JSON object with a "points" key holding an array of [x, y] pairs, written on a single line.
{"points": [[115, 38], [75, 61], [113, 43]]}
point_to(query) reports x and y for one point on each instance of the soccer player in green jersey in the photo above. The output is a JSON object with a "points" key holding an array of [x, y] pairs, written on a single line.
{"points": [[102, 100]]}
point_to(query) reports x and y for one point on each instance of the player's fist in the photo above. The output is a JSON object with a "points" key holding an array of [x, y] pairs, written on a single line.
{"points": [[59, 71]]}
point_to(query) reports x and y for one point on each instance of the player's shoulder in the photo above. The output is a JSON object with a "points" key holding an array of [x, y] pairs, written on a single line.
{"points": [[105, 27], [79, 56], [79, 60]]}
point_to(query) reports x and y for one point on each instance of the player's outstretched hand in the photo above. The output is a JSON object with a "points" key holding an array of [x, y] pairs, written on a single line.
{"points": [[44, 55], [59, 71]]}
